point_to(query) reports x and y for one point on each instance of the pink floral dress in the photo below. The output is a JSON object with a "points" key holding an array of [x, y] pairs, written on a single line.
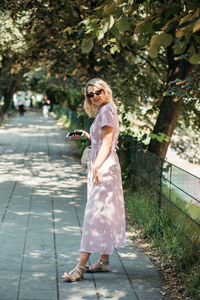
{"points": [[104, 220]]}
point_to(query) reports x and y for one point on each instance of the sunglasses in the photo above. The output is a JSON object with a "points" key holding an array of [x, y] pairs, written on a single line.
{"points": [[91, 95]]}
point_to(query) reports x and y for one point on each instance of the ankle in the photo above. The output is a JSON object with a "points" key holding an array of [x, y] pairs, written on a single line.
{"points": [[105, 261], [81, 268], [104, 258]]}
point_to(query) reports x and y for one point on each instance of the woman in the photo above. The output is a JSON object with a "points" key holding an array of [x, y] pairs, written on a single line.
{"points": [[46, 106], [104, 220]]}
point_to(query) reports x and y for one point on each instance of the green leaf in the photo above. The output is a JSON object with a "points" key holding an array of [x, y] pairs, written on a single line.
{"points": [[105, 24], [196, 26], [122, 24], [153, 52], [192, 50], [144, 26], [89, 30], [87, 45], [113, 40], [180, 47], [165, 39], [109, 8], [115, 32], [154, 45], [112, 21], [114, 49], [68, 29], [160, 137], [197, 38], [94, 21], [195, 58], [99, 34], [105, 45], [171, 24]]}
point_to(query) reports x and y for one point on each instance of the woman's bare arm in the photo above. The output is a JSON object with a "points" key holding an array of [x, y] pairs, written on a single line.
{"points": [[107, 133], [86, 134]]}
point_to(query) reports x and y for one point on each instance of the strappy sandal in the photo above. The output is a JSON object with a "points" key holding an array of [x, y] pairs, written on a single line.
{"points": [[98, 266], [76, 274]]}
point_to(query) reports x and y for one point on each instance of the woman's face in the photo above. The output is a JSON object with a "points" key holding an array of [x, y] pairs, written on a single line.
{"points": [[99, 99]]}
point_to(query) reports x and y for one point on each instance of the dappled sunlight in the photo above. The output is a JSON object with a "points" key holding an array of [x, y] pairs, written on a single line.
{"points": [[43, 194], [116, 294], [58, 211], [72, 229], [130, 255], [38, 275], [13, 225], [40, 173], [21, 213], [35, 254]]}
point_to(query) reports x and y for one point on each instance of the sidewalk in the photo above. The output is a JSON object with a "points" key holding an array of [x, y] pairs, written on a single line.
{"points": [[42, 200]]}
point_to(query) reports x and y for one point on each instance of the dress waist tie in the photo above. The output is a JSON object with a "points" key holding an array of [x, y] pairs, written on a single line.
{"points": [[113, 149]]}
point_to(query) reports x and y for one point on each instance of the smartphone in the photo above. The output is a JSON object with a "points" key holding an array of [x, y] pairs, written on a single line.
{"points": [[79, 133]]}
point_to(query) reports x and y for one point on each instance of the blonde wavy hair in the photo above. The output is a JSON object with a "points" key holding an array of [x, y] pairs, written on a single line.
{"points": [[90, 109]]}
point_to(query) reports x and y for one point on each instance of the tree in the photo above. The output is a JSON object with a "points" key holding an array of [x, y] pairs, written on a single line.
{"points": [[169, 31], [12, 47], [141, 47]]}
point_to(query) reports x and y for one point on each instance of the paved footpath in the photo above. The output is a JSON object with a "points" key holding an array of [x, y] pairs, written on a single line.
{"points": [[42, 200]]}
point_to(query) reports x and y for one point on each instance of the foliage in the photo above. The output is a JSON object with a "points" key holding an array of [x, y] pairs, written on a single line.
{"points": [[71, 121], [12, 49], [165, 238], [187, 146], [126, 42], [169, 32]]}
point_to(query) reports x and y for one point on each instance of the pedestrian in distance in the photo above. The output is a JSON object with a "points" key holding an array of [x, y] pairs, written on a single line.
{"points": [[31, 102], [21, 104], [104, 219], [46, 106]]}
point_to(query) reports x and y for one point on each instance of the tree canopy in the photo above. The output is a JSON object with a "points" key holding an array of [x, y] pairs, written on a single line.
{"points": [[148, 50]]}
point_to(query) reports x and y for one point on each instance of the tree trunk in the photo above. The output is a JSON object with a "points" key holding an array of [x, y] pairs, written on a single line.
{"points": [[169, 110], [166, 123], [8, 94]]}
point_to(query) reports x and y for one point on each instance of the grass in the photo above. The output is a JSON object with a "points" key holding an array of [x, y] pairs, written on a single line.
{"points": [[165, 239]]}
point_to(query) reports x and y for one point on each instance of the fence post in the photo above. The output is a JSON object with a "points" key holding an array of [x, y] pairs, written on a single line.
{"points": [[134, 161], [160, 184]]}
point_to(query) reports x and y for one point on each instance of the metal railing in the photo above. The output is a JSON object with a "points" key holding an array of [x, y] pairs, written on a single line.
{"points": [[177, 192]]}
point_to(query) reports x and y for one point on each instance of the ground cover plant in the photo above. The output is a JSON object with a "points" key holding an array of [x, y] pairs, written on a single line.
{"points": [[168, 241]]}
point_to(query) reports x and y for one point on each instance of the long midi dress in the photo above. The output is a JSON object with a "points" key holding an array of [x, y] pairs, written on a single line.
{"points": [[104, 219]]}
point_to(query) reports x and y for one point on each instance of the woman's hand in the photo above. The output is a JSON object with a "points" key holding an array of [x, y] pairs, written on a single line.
{"points": [[86, 134], [77, 137], [95, 176]]}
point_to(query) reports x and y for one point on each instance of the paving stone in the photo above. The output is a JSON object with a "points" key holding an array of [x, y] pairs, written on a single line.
{"points": [[42, 200], [9, 281]]}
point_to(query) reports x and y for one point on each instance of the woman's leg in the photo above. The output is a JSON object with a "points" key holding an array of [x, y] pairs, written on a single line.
{"points": [[84, 258], [104, 257], [80, 269], [102, 265]]}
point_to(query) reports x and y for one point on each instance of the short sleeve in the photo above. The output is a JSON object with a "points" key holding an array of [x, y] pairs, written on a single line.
{"points": [[107, 116]]}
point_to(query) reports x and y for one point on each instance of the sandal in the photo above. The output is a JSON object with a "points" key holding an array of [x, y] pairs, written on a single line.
{"points": [[76, 274], [98, 266]]}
